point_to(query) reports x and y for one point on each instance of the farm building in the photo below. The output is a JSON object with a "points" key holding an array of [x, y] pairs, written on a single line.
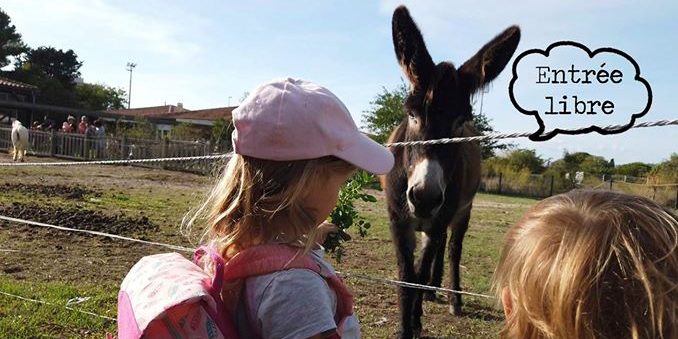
{"points": [[15, 92], [17, 101], [166, 117]]}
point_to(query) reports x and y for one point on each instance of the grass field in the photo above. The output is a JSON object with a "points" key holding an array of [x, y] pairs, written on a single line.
{"points": [[57, 266]]}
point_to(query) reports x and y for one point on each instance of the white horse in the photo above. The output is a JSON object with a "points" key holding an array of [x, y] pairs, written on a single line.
{"points": [[19, 141]]}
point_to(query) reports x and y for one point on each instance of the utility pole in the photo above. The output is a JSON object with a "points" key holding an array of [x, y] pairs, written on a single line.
{"points": [[130, 67]]}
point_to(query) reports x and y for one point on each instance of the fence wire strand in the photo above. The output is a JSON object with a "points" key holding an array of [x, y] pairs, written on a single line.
{"points": [[190, 250], [221, 156], [393, 144], [56, 305], [399, 283], [516, 135], [116, 162], [102, 234]]}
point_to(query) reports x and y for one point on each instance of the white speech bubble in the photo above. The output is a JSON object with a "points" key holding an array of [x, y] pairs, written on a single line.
{"points": [[571, 90]]}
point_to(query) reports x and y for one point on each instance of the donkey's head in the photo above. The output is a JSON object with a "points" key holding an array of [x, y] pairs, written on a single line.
{"points": [[439, 104]]}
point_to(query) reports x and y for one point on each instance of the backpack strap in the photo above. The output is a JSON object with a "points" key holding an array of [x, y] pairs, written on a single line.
{"points": [[266, 259], [225, 323], [217, 281]]}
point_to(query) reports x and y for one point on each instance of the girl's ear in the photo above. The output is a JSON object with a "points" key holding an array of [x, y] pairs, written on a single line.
{"points": [[490, 60], [506, 302], [410, 49]]}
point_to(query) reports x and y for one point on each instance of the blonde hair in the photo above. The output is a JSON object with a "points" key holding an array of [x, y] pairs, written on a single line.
{"points": [[252, 194], [591, 264]]}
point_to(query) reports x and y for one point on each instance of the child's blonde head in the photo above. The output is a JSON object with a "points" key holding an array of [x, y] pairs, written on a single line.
{"points": [[258, 201], [591, 264]]}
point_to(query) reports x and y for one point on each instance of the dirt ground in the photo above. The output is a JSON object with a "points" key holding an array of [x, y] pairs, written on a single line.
{"points": [[149, 204], [131, 201]]}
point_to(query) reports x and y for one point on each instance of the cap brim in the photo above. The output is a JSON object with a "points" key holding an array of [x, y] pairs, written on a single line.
{"points": [[369, 155]]}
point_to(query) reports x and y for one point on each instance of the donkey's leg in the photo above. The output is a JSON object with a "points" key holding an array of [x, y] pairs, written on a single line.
{"points": [[405, 244], [437, 272], [458, 231], [15, 153], [430, 248]]}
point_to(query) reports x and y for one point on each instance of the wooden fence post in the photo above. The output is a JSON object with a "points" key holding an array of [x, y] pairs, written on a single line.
{"points": [[676, 204], [611, 181], [501, 175], [52, 143], [206, 163], [123, 146], [163, 152], [551, 189], [163, 149], [85, 146]]}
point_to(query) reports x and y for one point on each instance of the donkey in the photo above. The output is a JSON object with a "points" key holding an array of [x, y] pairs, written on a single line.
{"points": [[431, 188], [19, 141]]}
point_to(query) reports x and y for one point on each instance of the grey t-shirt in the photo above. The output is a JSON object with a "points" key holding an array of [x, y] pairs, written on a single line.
{"points": [[296, 303]]}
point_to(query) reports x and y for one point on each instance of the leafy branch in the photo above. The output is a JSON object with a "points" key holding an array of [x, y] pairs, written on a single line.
{"points": [[345, 214]]}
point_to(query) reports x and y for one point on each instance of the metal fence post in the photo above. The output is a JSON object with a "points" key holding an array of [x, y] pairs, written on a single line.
{"points": [[611, 181], [501, 175]]}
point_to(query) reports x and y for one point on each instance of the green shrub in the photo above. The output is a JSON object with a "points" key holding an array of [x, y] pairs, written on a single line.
{"points": [[345, 214]]}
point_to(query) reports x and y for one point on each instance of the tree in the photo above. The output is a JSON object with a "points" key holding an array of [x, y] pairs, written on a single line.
{"points": [[634, 169], [99, 97], [11, 44], [489, 146], [595, 165], [52, 63], [388, 111], [665, 172], [187, 132], [53, 71], [141, 128], [221, 132], [519, 159]]}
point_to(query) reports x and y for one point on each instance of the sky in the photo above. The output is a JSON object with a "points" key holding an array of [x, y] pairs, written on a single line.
{"points": [[209, 53]]}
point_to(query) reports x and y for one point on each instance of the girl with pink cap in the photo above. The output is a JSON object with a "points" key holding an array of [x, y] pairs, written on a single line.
{"points": [[295, 145]]}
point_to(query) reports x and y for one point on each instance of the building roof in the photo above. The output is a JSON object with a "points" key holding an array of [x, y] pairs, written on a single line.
{"points": [[204, 114], [149, 112], [176, 112], [9, 83]]}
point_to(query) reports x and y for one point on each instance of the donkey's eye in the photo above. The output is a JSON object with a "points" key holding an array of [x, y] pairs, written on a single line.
{"points": [[411, 115]]}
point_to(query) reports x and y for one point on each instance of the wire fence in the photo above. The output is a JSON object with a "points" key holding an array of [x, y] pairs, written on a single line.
{"points": [[514, 135], [190, 250], [104, 151], [37, 301], [188, 156], [545, 185], [116, 162]]}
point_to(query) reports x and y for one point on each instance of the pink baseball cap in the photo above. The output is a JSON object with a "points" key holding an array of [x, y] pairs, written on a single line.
{"points": [[292, 119]]}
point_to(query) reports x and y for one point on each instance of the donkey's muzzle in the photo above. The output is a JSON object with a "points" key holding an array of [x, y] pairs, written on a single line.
{"points": [[423, 203]]}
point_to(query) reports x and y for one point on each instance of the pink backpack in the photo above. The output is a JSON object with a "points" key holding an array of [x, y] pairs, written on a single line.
{"points": [[168, 296]]}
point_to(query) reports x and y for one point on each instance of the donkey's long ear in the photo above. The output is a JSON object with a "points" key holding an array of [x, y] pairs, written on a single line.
{"points": [[490, 60], [410, 49]]}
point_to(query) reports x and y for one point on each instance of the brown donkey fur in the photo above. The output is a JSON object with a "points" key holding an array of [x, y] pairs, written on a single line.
{"points": [[431, 188]]}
